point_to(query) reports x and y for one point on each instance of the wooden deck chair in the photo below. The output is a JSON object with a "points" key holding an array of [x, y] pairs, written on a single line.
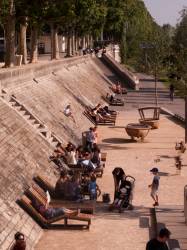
{"points": [[45, 184], [100, 121], [105, 121], [61, 222], [77, 168], [87, 114], [117, 102], [35, 192]]}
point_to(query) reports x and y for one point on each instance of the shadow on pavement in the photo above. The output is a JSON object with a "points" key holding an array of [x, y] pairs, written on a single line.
{"points": [[117, 140]]}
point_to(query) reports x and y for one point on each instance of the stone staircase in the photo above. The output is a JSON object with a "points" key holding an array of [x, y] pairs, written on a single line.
{"points": [[31, 119]]}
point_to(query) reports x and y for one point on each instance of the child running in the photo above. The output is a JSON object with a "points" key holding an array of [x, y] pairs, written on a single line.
{"points": [[154, 186]]}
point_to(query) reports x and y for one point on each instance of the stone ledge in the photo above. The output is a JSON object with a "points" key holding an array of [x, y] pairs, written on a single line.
{"points": [[131, 80], [29, 71]]}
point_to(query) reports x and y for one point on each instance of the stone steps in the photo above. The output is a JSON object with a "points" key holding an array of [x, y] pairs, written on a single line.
{"points": [[173, 218], [34, 121]]}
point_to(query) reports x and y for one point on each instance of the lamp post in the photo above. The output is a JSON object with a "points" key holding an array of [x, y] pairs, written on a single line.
{"points": [[156, 89], [146, 46]]}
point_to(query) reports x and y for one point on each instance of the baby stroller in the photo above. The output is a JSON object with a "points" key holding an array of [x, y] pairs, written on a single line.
{"points": [[123, 198]]}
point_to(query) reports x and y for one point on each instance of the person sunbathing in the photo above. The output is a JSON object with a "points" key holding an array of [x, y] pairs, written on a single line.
{"points": [[118, 88], [102, 117], [52, 212], [59, 151], [71, 155], [87, 163], [96, 156], [114, 88]]}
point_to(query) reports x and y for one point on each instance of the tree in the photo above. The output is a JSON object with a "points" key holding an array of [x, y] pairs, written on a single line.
{"points": [[178, 59], [7, 16]]}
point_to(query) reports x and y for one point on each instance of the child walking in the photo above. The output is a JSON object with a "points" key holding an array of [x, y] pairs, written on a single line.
{"points": [[92, 187], [154, 186]]}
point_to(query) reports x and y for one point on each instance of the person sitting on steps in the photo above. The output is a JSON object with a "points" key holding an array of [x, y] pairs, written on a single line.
{"points": [[68, 112]]}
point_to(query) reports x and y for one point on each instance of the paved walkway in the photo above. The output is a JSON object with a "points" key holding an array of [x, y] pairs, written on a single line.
{"points": [[146, 96], [110, 231], [173, 218]]}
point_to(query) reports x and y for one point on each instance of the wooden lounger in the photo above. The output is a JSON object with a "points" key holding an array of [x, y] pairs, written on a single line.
{"points": [[117, 102], [89, 117], [45, 185], [100, 121], [26, 204], [77, 168], [105, 121], [35, 192]]}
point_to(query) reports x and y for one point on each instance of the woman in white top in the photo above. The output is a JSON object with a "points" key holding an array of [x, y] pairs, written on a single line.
{"points": [[71, 157]]}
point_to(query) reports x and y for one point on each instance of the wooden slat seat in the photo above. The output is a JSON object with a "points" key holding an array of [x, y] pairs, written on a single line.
{"points": [[26, 204], [35, 192], [99, 121], [45, 185]]}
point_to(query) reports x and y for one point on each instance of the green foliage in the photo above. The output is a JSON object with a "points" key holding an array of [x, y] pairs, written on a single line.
{"points": [[178, 67]]}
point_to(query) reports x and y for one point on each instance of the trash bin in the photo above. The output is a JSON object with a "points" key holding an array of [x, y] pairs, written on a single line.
{"points": [[84, 135], [18, 60], [185, 203]]}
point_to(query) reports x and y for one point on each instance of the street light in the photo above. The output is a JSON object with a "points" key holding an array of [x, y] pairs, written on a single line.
{"points": [[146, 46]]}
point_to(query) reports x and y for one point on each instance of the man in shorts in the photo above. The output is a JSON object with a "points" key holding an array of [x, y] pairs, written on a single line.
{"points": [[154, 186]]}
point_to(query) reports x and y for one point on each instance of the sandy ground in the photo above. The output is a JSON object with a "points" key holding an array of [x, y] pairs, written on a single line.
{"points": [[126, 231]]}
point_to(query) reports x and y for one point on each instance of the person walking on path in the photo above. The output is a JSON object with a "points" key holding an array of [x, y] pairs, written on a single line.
{"points": [[154, 186], [172, 91], [159, 243]]}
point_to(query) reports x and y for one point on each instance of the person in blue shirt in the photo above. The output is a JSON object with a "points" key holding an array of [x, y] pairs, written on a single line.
{"points": [[92, 188], [155, 186]]}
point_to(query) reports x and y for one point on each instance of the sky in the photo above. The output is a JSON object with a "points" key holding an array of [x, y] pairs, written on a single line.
{"points": [[165, 11]]}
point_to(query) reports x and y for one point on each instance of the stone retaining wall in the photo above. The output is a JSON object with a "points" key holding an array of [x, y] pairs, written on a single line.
{"points": [[23, 152], [129, 78]]}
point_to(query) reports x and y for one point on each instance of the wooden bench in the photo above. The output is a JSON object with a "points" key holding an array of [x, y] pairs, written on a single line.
{"points": [[35, 192], [98, 120], [80, 169], [61, 222], [45, 185], [114, 102]]}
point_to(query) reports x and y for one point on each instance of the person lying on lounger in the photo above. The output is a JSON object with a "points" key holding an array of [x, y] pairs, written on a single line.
{"points": [[112, 99], [71, 155], [52, 212], [96, 156], [87, 163]]}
